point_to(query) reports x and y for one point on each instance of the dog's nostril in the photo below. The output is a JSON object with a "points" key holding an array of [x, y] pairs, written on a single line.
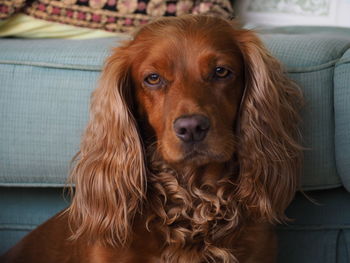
{"points": [[203, 126], [182, 131], [191, 128]]}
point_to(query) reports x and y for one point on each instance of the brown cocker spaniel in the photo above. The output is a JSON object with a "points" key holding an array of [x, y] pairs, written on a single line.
{"points": [[191, 153]]}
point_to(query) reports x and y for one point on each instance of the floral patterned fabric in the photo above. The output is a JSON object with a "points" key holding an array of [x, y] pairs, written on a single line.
{"points": [[111, 15], [8, 8]]}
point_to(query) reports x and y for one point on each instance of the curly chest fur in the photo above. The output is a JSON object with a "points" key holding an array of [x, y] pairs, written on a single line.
{"points": [[197, 216]]}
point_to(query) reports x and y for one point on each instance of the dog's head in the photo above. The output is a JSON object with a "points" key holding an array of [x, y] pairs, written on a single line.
{"points": [[201, 90], [188, 78]]}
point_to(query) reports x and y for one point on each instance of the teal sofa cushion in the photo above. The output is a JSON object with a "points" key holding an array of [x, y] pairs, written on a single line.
{"points": [[317, 233], [23, 209], [342, 117], [312, 56], [44, 101]]}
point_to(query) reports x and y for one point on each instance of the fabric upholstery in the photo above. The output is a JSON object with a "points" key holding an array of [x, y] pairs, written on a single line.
{"points": [[342, 117], [319, 230], [312, 57], [319, 168], [22, 209], [44, 101]]}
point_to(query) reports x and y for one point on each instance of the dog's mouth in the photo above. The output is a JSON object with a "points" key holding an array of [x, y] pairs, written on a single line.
{"points": [[194, 154], [200, 155]]}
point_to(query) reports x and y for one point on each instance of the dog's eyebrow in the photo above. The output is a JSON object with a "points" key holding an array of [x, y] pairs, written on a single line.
{"points": [[214, 59]]}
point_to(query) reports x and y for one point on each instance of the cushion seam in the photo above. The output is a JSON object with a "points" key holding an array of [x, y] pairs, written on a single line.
{"points": [[25, 185], [315, 227], [323, 66], [17, 227], [320, 187], [52, 65]]}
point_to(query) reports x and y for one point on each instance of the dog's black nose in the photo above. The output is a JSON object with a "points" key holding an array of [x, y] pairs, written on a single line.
{"points": [[192, 128]]}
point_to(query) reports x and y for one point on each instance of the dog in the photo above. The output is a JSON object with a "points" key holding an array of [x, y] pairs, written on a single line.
{"points": [[191, 153]]}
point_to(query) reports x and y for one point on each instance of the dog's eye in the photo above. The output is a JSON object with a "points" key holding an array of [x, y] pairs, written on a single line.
{"points": [[153, 80], [221, 73]]}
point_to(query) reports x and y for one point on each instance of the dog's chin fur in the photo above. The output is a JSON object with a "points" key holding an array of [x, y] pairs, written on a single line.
{"points": [[198, 154]]}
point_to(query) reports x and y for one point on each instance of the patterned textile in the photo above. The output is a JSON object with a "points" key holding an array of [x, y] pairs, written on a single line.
{"points": [[8, 8], [111, 15]]}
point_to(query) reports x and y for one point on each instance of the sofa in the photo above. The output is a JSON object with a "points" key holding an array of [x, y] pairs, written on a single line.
{"points": [[45, 86]]}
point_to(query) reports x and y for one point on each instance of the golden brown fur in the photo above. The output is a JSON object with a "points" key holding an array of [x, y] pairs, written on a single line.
{"points": [[143, 194]]}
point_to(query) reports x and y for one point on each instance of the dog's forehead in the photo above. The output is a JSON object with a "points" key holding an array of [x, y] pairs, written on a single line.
{"points": [[192, 34], [174, 43]]}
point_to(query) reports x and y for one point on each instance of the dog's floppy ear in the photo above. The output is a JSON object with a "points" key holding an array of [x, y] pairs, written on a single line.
{"points": [[269, 152], [109, 171]]}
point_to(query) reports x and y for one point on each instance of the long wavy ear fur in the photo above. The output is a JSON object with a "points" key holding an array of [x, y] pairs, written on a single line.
{"points": [[109, 169], [269, 152]]}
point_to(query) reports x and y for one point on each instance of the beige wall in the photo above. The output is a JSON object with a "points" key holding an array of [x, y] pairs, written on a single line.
{"points": [[294, 12]]}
